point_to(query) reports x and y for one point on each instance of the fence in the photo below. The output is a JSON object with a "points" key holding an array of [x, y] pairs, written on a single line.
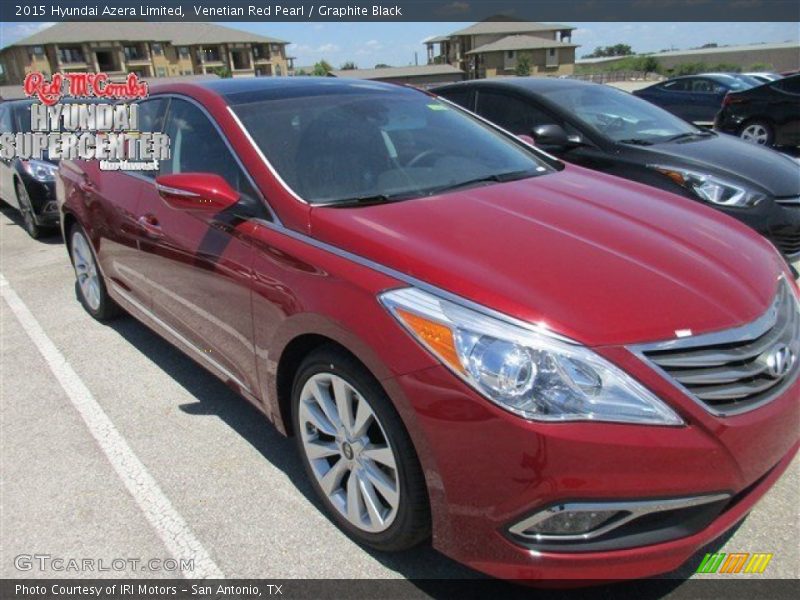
{"points": [[611, 76]]}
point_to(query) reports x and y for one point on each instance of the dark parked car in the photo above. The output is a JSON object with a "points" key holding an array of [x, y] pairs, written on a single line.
{"points": [[27, 185], [472, 342], [696, 98], [768, 115], [609, 130]]}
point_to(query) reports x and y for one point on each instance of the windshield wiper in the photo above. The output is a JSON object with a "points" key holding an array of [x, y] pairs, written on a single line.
{"points": [[358, 201], [688, 135], [493, 178], [636, 142]]}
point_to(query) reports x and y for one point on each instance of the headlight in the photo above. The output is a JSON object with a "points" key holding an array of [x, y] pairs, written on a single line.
{"points": [[712, 188], [524, 370], [40, 170]]}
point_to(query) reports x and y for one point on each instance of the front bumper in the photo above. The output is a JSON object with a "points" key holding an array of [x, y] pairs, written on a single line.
{"points": [[43, 199], [487, 470], [779, 223]]}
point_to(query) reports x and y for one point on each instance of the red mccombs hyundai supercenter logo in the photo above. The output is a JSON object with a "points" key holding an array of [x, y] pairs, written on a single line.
{"points": [[86, 116]]}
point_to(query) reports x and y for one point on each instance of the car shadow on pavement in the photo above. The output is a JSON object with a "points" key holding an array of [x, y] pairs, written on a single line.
{"points": [[49, 236], [429, 571]]}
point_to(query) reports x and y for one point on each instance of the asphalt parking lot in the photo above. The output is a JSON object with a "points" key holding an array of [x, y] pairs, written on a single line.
{"points": [[215, 481]]}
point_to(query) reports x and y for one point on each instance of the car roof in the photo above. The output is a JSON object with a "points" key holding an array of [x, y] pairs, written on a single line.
{"points": [[253, 89], [18, 102], [533, 84]]}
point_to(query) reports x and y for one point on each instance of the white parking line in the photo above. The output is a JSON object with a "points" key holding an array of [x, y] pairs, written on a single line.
{"points": [[165, 519]]}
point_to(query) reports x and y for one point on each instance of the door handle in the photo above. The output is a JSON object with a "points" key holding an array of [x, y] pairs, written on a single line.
{"points": [[151, 226], [87, 187]]}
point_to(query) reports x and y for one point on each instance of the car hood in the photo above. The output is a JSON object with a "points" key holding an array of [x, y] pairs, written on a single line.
{"points": [[598, 259], [763, 168]]}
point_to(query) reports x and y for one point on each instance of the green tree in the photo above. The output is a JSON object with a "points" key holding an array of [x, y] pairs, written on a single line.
{"points": [[760, 66], [615, 50], [726, 67], [349, 66], [382, 66], [523, 68], [648, 64], [222, 72], [322, 68]]}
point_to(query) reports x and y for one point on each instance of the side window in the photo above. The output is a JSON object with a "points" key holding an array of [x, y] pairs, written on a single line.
{"points": [[5, 120], [704, 86], [461, 97], [511, 113], [151, 119], [679, 85], [790, 85], [197, 147]]}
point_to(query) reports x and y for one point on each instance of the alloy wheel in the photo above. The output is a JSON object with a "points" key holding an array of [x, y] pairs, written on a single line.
{"points": [[26, 210], [86, 270], [755, 134], [349, 453]]}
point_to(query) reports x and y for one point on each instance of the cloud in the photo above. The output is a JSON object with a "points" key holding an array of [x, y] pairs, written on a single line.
{"points": [[328, 48], [300, 48], [374, 44]]}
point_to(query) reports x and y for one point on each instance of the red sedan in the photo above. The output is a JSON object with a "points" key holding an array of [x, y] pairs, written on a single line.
{"points": [[550, 372]]}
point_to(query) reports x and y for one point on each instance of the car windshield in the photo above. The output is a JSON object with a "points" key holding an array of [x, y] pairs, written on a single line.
{"points": [[744, 82], [619, 115], [362, 144]]}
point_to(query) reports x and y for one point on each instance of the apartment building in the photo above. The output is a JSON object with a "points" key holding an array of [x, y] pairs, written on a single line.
{"points": [[147, 49], [493, 48]]}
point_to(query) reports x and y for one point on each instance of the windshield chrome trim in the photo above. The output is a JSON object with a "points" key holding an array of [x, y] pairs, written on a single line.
{"points": [[263, 157]]}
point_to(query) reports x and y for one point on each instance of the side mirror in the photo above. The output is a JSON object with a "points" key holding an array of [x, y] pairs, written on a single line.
{"points": [[206, 192], [551, 135]]}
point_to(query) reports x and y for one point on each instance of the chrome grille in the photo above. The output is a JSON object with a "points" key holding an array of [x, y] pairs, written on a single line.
{"points": [[737, 370]]}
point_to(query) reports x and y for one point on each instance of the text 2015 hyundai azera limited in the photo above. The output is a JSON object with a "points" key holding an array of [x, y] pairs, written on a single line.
{"points": [[550, 372]]}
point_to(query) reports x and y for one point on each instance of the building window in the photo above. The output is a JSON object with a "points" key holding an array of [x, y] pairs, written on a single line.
{"points": [[210, 54], [157, 49], [551, 51], [71, 55], [240, 59], [184, 51], [510, 54], [38, 51], [133, 53], [161, 72]]}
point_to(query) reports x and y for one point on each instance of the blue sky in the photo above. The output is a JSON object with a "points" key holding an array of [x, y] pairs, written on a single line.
{"points": [[395, 43]]}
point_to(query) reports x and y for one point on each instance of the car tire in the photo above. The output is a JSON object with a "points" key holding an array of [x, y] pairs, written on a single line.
{"points": [[26, 211], [366, 473], [89, 284], [757, 132]]}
